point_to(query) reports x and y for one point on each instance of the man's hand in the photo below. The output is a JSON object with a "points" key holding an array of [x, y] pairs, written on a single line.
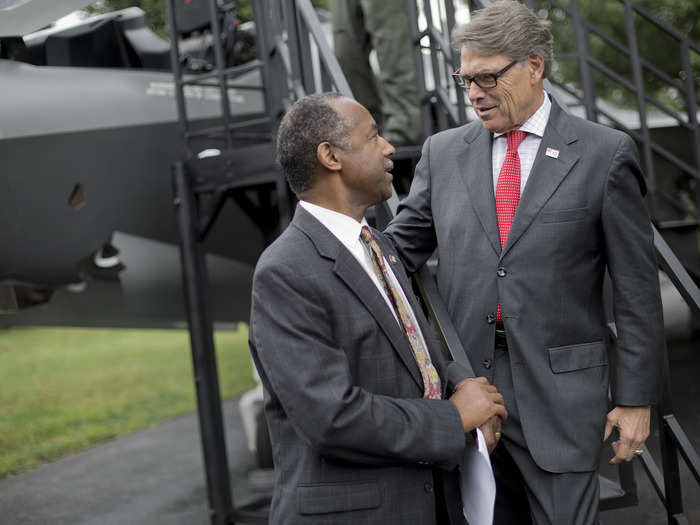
{"points": [[633, 426], [492, 432], [477, 402]]}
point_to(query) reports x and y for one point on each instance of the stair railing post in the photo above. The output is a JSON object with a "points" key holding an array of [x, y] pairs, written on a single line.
{"points": [[583, 51], [206, 379], [177, 73], [669, 454], [692, 109], [641, 109]]}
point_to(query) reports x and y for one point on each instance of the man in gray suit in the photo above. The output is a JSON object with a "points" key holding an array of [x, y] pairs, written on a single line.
{"points": [[368, 421], [527, 207]]}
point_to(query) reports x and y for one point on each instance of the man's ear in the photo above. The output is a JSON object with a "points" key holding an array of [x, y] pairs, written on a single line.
{"points": [[325, 154], [536, 67]]}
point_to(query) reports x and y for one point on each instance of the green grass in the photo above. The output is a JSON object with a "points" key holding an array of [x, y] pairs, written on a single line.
{"points": [[64, 389]]}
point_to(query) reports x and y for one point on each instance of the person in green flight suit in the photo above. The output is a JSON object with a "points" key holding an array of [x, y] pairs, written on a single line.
{"points": [[383, 25]]}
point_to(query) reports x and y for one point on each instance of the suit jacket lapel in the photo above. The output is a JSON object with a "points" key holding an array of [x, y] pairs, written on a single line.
{"points": [[349, 270], [476, 171], [546, 175], [354, 276]]}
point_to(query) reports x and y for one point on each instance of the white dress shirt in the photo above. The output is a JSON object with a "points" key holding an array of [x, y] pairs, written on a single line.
{"points": [[528, 147], [347, 231]]}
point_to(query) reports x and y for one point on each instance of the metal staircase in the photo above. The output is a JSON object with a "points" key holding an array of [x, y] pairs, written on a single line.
{"points": [[229, 158], [672, 167], [671, 162]]}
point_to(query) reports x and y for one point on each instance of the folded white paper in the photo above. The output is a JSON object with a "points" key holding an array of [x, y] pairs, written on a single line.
{"points": [[478, 484]]}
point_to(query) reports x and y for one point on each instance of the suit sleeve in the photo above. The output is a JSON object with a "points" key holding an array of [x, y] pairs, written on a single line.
{"points": [[412, 231], [631, 261], [456, 373], [292, 337]]}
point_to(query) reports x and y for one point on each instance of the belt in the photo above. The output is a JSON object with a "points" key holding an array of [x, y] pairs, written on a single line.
{"points": [[501, 342]]}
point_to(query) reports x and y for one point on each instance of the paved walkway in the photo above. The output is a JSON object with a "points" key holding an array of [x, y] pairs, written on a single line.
{"points": [[152, 477]]}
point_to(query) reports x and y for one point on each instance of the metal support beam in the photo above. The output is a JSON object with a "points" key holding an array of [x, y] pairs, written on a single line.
{"points": [[583, 51], [669, 455], [692, 108], [641, 109], [206, 379], [220, 68], [177, 74]]}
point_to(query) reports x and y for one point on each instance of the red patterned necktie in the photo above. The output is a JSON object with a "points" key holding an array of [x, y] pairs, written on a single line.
{"points": [[431, 380], [508, 191]]}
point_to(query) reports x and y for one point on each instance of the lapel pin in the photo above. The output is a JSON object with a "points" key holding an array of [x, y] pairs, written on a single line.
{"points": [[392, 258], [551, 152]]}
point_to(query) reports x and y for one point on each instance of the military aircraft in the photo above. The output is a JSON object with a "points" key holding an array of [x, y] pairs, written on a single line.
{"points": [[88, 134]]}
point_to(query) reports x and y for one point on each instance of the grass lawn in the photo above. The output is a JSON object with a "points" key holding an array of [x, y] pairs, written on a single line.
{"points": [[63, 389]]}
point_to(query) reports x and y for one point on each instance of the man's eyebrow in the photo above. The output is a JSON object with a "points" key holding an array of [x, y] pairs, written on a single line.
{"points": [[480, 72]]}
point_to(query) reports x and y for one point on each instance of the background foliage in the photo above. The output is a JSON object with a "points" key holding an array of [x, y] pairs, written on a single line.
{"points": [[655, 46], [155, 10]]}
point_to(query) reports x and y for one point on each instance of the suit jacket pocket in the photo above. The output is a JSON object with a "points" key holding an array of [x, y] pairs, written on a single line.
{"points": [[338, 497], [570, 215], [576, 357]]}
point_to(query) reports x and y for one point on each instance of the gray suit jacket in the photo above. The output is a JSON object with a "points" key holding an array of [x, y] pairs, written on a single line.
{"points": [[579, 213], [353, 440]]}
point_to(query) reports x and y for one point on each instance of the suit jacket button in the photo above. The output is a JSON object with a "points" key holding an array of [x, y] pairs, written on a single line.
{"points": [[428, 487], [501, 272], [491, 318], [486, 363]]}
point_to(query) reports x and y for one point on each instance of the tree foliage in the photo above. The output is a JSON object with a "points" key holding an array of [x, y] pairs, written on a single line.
{"points": [[155, 11], [655, 46]]}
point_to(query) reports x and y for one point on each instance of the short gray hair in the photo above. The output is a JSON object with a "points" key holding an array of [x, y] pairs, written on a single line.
{"points": [[506, 28], [310, 121]]}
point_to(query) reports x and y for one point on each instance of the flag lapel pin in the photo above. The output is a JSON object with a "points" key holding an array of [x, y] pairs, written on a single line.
{"points": [[551, 152]]}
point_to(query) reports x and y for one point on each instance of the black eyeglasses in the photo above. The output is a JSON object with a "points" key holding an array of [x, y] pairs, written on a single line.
{"points": [[483, 80]]}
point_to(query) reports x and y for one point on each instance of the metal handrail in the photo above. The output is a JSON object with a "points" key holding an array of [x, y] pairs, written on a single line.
{"points": [[675, 270], [640, 65]]}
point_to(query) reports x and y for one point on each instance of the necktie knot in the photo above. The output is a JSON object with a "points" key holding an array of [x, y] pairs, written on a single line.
{"points": [[515, 138], [366, 235]]}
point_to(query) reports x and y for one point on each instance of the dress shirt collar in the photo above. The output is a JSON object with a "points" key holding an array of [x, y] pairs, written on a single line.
{"points": [[345, 228], [536, 124]]}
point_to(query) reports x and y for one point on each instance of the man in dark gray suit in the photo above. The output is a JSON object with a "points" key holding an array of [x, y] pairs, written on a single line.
{"points": [[527, 207], [368, 421]]}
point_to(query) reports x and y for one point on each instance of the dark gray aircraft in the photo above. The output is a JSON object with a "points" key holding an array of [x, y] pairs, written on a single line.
{"points": [[88, 133]]}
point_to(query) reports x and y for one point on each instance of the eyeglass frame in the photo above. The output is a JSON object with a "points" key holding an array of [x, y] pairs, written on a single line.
{"points": [[465, 82]]}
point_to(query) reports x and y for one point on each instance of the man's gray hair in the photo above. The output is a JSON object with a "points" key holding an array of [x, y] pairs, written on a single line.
{"points": [[310, 121], [506, 28]]}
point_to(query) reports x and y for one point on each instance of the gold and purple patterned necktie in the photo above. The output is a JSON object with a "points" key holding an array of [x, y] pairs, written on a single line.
{"points": [[431, 380]]}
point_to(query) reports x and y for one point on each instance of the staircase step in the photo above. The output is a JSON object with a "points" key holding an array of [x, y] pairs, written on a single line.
{"points": [[612, 496], [675, 225]]}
